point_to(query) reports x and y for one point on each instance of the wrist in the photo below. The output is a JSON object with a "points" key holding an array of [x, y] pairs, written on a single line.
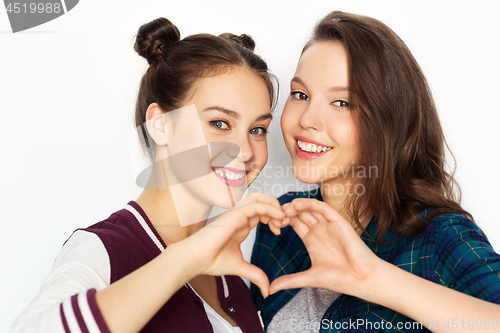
{"points": [[177, 257], [377, 285]]}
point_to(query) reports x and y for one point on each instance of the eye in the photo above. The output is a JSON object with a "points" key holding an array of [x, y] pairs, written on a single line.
{"points": [[258, 131], [341, 103], [299, 95], [219, 124]]}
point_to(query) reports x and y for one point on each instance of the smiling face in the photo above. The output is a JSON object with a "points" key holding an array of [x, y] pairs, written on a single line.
{"points": [[234, 112], [317, 123]]}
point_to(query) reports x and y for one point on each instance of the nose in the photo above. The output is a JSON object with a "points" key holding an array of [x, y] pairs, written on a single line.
{"points": [[311, 117], [242, 150]]}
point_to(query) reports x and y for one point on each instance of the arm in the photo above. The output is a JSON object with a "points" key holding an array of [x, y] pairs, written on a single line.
{"points": [[342, 262], [128, 304], [68, 302], [463, 260], [429, 303], [81, 268]]}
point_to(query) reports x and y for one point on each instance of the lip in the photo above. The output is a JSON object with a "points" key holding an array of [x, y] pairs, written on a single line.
{"points": [[230, 182], [308, 155]]}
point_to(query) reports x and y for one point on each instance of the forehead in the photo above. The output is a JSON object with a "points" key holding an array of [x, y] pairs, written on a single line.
{"points": [[324, 62], [237, 89]]}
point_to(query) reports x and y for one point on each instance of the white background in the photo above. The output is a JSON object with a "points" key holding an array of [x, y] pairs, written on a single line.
{"points": [[68, 88]]}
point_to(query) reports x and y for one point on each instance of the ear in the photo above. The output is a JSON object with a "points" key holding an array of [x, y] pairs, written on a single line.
{"points": [[155, 124]]}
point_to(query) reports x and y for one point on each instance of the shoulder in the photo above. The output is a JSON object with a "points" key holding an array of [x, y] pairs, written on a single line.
{"points": [[456, 235], [92, 248], [83, 254], [126, 241], [451, 228], [451, 234], [114, 225], [120, 232], [463, 258]]}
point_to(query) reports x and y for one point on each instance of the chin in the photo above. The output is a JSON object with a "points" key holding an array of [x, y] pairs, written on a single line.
{"points": [[307, 173], [222, 198], [308, 180]]}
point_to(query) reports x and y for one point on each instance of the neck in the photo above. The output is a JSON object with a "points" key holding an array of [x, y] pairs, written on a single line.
{"points": [[173, 219], [335, 193]]}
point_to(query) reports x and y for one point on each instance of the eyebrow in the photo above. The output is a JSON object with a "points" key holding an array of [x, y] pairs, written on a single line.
{"points": [[235, 114], [333, 89], [230, 113]]}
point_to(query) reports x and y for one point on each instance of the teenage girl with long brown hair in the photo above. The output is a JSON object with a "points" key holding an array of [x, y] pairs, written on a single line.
{"points": [[383, 244]]}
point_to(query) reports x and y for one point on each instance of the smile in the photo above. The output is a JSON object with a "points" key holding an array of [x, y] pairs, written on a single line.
{"points": [[311, 147], [306, 149], [230, 176]]}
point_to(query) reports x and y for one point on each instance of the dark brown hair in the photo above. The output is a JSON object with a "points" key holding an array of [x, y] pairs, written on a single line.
{"points": [[398, 127], [175, 65]]}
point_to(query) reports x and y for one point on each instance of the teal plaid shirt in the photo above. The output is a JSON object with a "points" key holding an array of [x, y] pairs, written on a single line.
{"points": [[451, 252]]}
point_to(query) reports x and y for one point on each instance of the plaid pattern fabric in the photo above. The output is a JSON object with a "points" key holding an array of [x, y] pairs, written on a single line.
{"points": [[451, 252]]}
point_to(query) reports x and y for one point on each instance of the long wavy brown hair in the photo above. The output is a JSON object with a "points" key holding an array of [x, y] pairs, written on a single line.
{"points": [[398, 126]]}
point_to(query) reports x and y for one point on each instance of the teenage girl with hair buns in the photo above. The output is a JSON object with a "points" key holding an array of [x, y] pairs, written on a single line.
{"points": [[140, 269], [384, 245]]}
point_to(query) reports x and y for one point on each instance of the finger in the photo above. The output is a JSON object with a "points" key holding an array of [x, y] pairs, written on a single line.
{"points": [[330, 214], [275, 226], [275, 229], [262, 209], [307, 218], [319, 217], [256, 276], [292, 281], [246, 217], [262, 198], [285, 222], [301, 229]]}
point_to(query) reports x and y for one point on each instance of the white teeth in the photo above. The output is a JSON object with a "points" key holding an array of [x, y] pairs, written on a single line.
{"points": [[311, 147], [228, 174]]}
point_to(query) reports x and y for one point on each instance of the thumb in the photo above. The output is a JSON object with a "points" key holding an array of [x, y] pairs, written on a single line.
{"points": [[292, 281], [256, 276]]}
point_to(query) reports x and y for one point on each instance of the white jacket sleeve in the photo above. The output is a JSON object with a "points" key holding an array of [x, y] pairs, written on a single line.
{"points": [[66, 301]]}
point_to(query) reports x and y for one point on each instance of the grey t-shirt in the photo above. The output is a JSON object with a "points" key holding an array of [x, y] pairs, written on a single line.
{"points": [[304, 311]]}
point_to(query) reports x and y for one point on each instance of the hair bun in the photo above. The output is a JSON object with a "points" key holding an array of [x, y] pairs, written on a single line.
{"points": [[155, 37], [244, 40]]}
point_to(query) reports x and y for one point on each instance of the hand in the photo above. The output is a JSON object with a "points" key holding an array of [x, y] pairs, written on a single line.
{"points": [[215, 249], [340, 260]]}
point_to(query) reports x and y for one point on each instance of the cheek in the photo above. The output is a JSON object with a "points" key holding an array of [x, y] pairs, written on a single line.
{"points": [[345, 134], [261, 154], [352, 137], [287, 119]]}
